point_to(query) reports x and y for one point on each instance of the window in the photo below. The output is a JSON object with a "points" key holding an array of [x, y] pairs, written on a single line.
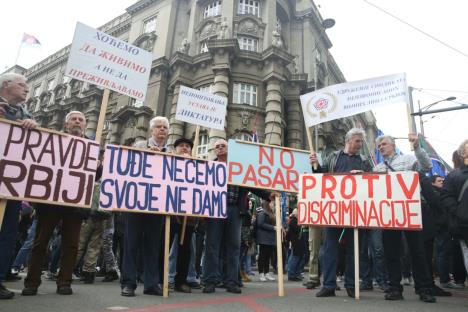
{"points": [[136, 103], [50, 84], [213, 9], [245, 94], [207, 88], [247, 43], [251, 7], [204, 47], [149, 25], [106, 125], [37, 91], [66, 79], [243, 136], [202, 148]]}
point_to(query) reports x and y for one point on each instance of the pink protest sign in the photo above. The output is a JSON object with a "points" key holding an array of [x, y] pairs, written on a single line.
{"points": [[41, 166], [147, 182]]}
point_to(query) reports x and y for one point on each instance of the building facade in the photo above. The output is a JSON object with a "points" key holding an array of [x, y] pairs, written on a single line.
{"points": [[260, 54]]}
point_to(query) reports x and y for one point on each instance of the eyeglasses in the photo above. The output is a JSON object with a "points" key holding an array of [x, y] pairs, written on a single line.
{"points": [[220, 145], [21, 84]]}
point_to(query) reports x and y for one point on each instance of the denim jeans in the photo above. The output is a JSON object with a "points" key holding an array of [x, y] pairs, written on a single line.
{"points": [[23, 254], [295, 265], [192, 274], [330, 256], [371, 243], [8, 234], [222, 235], [442, 243]]}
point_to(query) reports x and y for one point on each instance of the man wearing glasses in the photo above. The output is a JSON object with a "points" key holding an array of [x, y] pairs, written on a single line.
{"points": [[13, 92]]}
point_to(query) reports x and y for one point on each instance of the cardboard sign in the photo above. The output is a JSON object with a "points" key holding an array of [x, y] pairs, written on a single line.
{"points": [[265, 166], [106, 61], [147, 182], [350, 98], [388, 201], [201, 108], [46, 167]]}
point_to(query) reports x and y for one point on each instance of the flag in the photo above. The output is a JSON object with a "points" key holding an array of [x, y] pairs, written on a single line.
{"points": [[29, 39], [439, 166], [283, 208], [254, 135]]}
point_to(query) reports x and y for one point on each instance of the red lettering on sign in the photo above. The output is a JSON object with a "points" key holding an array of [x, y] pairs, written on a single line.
{"points": [[264, 177], [250, 175], [370, 183], [235, 168], [263, 152], [291, 159], [414, 184], [328, 189], [343, 187], [308, 183]]}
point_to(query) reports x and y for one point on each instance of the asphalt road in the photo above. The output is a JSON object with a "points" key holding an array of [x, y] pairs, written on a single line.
{"points": [[256, 296]]}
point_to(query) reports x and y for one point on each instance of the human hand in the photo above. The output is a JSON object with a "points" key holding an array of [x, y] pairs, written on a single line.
{"points": [[313, 159], [29, 124], [356, 171], [413, 139]]}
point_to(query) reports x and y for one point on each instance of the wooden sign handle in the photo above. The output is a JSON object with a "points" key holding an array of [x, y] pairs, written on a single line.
{"points": [[311, 146], [167, 243], [3, 203], [279, 247], [356, 264]]}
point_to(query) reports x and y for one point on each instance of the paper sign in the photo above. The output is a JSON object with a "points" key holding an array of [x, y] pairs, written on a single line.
{"points": [[100, 59], [201, 108], [266, 166], [347, 99], [40, 166], [147, 182], [387, 201]]}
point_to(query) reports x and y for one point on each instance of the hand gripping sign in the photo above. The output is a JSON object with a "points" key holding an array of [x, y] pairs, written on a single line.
{"points": [[371, 200]]}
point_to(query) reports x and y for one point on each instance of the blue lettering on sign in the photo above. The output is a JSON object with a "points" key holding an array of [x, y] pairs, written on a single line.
{"points": [[152, 197], [196, 202], [129, 194], [111, 158], [174, 199], [187, 163], [107, 194]]}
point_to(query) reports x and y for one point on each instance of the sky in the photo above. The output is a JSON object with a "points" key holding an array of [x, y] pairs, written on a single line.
{"points": [[366, 43]]}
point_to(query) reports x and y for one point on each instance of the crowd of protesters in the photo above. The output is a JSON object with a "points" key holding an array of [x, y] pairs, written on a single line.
{"points": [[80, 244]]}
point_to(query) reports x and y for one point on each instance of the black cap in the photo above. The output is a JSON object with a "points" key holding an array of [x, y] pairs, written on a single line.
{"points": [[183, 140]]}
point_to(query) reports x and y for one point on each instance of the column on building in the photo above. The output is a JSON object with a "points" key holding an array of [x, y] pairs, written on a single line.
{"points": [[273, 119], [176, 130], [294, 120], [220, 88]]}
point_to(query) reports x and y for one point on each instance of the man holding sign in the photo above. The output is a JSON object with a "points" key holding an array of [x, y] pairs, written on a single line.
{"points": [[13, 92], [48, 217], [391, 238], [346, 160]]}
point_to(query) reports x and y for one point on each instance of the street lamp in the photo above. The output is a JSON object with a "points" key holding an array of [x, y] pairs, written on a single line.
{"points": [[425, 108]]}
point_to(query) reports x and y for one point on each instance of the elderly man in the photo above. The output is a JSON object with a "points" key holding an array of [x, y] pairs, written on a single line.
{"points": [[226, 233], [48, 217], [144, 229], [392, 239], [13, 92], [350, 161]]}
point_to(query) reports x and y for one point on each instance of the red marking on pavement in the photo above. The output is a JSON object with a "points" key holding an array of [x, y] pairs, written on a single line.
{"points": [[248, 300]]}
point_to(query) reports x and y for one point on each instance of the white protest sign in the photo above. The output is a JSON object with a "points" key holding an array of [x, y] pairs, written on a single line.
{"points": [[106, 61], [201, 108], [370, 200], [347, 99]]}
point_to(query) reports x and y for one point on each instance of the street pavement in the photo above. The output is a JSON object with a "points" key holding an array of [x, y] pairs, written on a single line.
{"points": [[256, 296]]}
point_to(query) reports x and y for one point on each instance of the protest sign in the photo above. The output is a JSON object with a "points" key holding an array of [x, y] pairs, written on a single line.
{"points": [[347, 99], [371, 200], [141, 181], [201, 108], [100, 59], [266, 166], [43, 166]]}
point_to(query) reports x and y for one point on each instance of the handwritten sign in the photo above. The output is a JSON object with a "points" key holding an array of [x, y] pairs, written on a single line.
{"points": [[350, 98], [106, 61], [266, 166], [201, 108], [388, 201], [146, 182], [41, 166]]}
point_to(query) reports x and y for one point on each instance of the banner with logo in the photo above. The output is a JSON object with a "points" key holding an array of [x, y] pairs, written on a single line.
{"points": [[347, 99]]}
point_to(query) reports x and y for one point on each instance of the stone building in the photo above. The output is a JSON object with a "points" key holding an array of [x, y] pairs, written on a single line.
{"points": [[260, 54]]}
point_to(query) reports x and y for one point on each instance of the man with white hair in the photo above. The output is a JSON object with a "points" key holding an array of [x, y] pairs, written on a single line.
{"points": [[392, 238], [48, 217], [350, 161], [144, 229], [13, 92]]}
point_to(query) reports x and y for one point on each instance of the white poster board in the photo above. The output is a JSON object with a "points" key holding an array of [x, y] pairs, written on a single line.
{"points": [[106, 61], [201, 108]]}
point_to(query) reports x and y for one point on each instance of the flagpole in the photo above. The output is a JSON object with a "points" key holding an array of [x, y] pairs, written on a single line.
{"points": [[19, 51]]}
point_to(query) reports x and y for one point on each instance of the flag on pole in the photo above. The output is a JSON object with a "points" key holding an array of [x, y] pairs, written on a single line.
{"points": [[439, 166], [29, 39], [254, 135], [378, 156]]}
